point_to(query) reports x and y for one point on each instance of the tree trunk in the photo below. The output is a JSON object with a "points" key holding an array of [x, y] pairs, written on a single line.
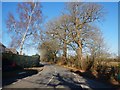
{"points": [[79, 53], [55, 57], [65, 52], [21, 45], [25, 34], [65, 48]]}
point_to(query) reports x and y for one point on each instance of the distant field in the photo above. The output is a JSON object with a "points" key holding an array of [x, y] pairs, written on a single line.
{"points": [[111, 63]]}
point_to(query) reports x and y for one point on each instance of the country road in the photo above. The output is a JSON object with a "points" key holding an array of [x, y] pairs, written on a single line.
{"points": [[53, 76]]}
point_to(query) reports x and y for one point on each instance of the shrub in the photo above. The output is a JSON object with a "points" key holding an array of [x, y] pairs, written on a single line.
{"points": [[117, 74], [22, 61], [87, 63], [107, 72]]}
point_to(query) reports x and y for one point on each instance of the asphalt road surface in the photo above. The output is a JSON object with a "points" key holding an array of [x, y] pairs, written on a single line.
{"points": [[53, 76]]}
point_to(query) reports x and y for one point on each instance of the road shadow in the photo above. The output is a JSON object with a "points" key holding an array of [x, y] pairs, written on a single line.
{"points": [[14, 76], [70, 84], [90, 78]]}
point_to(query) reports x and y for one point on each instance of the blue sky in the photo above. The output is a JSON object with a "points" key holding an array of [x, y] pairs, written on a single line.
{"points": [[51, 10]]}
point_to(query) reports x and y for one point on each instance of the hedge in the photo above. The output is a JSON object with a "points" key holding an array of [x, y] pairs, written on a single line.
{"points": [[20, 60]]}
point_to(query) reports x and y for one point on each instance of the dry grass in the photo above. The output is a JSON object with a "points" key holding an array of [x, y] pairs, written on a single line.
{"points": [[113, 63], [35, 68]]}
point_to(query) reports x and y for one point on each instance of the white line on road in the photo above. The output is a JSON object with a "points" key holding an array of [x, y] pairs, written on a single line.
{"points": [[18, 80], [26, 77], [52, 76], [76, 76], [82, 85], [49, 80], [14, 83]]}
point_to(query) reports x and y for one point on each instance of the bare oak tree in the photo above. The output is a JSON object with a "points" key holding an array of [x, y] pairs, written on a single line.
{"points": [[81, 15], [59, 29], [25, 25]]}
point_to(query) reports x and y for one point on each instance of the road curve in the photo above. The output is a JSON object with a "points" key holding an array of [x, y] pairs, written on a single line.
{"points": [[53, 76]]}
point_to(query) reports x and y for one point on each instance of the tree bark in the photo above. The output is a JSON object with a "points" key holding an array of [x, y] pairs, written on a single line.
{"points": [[65, 47], [65, 52], [79, 53], [21, 45], [25, 34]]}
